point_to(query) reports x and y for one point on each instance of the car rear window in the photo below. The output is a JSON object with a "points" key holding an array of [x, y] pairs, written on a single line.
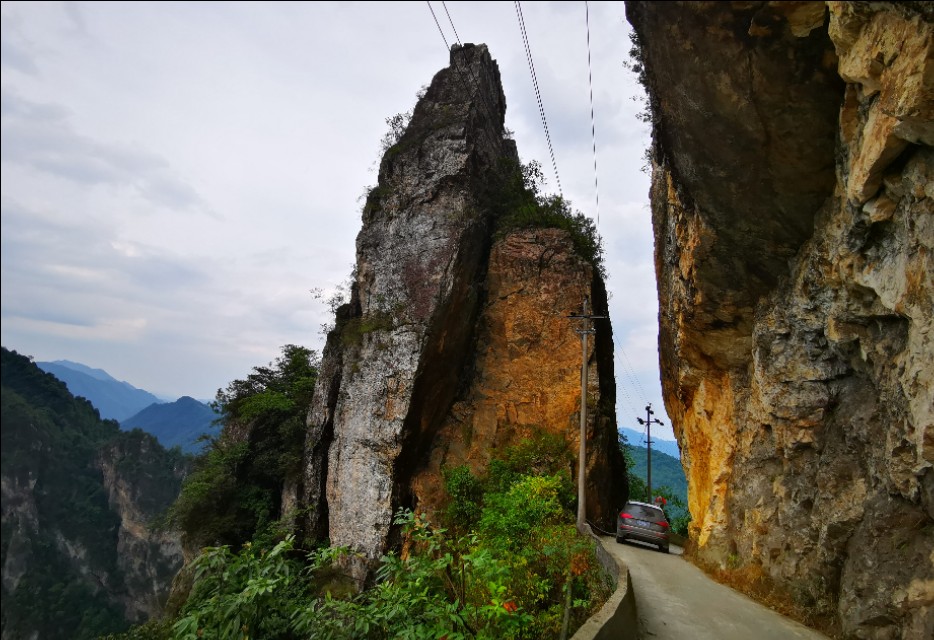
{"points": [[644, 512]]}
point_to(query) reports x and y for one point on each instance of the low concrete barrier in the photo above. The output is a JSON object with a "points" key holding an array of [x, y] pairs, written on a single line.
{"points": [[674, 538], [617, 618]]}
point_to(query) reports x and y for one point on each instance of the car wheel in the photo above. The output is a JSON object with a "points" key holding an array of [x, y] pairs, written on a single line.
{"points": [[620, 539], [663, 549]]}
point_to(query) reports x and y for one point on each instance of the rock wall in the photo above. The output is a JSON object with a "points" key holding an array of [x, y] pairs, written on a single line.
{"points": [[527, 372], [405, 348], [135, 480], [792, 206], [76, 497]]}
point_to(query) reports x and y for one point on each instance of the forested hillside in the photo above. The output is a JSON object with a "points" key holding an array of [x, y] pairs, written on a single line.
{"points": [[69, 480], [666, 471], [181, 423]]}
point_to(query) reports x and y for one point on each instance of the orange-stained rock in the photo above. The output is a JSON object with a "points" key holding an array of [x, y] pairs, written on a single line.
{"points": [[527, 371], [444, 353], [793, 206]]}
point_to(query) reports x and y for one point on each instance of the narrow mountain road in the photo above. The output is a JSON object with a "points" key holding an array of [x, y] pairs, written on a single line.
{"points": [[676, 600]]}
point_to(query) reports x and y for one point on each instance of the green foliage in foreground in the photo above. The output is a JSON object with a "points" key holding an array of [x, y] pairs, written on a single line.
{"points": [[508, 574]]}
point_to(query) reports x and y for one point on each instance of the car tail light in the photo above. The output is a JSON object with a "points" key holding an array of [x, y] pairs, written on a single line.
{"points": [[664, 524], [625, 516]]}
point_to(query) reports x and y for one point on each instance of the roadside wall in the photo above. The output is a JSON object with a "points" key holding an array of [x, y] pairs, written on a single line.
{"points": [[617, 618]]}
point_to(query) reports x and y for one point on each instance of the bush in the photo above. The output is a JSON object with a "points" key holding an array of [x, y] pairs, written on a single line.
{"points": [[251, 594], [234, 492], [517, 564], [510, 518], [514, 196]]}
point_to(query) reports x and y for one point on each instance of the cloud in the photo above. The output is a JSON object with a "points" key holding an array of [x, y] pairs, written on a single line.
{"points": [[143, 114], [17, 51], [39, 136]]}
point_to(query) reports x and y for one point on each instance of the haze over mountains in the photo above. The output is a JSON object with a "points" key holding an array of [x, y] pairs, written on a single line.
{"points": [[637, 439], [114, 399], [183, 421], [179, 423]]}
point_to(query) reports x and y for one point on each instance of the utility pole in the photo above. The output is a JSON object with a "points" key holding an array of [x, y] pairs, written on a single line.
{"points": [[586, 328], [648, 445]]}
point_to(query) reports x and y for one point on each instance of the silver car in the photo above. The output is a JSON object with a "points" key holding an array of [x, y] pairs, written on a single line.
{"points": [[643, 522]]}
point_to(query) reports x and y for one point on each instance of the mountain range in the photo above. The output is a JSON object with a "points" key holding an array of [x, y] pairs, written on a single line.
{"points": [[179, 423], [114, 399], [637, 439]]}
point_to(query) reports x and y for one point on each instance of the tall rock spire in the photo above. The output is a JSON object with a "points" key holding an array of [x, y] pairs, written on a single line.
{"points": [[403, 347]]}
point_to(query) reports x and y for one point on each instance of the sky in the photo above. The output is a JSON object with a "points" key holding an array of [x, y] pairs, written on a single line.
{"points": [[177, 178]]}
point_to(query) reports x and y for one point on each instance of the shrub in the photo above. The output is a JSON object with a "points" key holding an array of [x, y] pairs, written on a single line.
{"points": [[514, 194], [234, 492]]}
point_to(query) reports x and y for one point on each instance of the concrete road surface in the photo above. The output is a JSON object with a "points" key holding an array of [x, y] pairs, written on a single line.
{"points": [[675, 600]]}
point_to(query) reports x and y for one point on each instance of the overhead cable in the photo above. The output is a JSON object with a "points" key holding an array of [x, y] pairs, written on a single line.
{"points": [[438, 24], [593, 126], [538, 93], [453, 28]]}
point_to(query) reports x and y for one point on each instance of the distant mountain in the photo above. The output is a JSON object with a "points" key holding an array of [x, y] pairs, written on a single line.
{"points": [[666, 471], [175, 423], [98, 374], [79, 557], [115, 400], [637, 439]]}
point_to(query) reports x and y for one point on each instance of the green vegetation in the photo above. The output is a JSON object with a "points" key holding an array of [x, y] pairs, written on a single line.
{"points": [[354, 329], [66, 541], [668, 481], [504, 561], [514, 193], [234, 493], [443, 587]]}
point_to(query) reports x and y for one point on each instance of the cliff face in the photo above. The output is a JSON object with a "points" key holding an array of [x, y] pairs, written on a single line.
{"points": [[526, 370], [792, 205], [405, 367], [77, 496], [140, 488]]}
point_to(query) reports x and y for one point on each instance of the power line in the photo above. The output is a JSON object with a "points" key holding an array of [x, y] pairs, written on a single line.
{"points": [[633, 381], [634, 376], [538, 94], [445, 5], [593, 126], [440, 30], [629, 399]]}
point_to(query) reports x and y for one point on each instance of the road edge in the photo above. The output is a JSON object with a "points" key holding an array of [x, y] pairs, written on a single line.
{"points": [[617, 617]]}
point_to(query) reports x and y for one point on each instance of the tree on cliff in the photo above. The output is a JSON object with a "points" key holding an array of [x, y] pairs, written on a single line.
{"points": [[235, 492]]}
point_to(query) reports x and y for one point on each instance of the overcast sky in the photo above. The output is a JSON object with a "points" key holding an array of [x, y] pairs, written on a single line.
{"points": [[177, 178]]}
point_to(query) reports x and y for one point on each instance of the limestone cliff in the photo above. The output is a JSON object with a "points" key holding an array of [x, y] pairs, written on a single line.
{"points": [[78, 559], [139, 489], [792, 206], [526, 369], [442, 352]]}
